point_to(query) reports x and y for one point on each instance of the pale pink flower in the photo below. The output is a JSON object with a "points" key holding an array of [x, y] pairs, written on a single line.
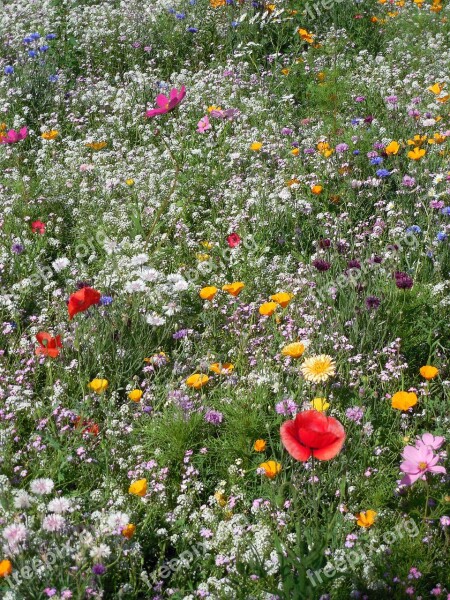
{"points": [[418, 462], [431, 441], [203, 125]]}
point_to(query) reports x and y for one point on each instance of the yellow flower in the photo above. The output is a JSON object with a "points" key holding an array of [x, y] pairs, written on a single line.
{"points": [[138, 488], [320, 404], [213, 107], [305, 35], [98, 385], [5, 568], [318, 368], [324, 149], [436, 88], [442, 100], [417, 153], [50, 135], [321, 76], [429, 372], [220, 498], [217, 3], [135, 395], [437, 138], [201, 256], [129, 181], [403, 400], [197, 380], [268, 308], [392, 148], [366, 519], [295, 350], [256, 146], [295, 152], [271, 468], [207, 245], [293, 181], [316, 189], [221, 368], [259, 446], [417, 140], [208, 293], [285, 71], [282, 298], [128, 531], [96, 145], [234, 288]]}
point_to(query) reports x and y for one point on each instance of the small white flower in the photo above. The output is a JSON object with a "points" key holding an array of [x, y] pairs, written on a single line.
{"points": [[60, 264]]}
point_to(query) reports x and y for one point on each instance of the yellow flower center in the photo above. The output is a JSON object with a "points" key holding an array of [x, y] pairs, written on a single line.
{"points": [[422, 466]]}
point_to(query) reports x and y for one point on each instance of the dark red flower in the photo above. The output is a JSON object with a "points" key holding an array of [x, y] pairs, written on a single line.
{"points": [[49, 346], [82, 300], [312, 433], [233, 240], [38, 227]]}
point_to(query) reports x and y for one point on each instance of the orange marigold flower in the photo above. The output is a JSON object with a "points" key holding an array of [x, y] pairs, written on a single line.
{"points": [[271, 468], [197, 380], [234, 288], [208, 293], [138, 488], [403, 400], [366, 519], [282, 298], [429, 372], [268, 308], [128, 531], [5, 568], [259, 446]]}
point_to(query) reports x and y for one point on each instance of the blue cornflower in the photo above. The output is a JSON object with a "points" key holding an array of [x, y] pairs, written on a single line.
{"points": [[383, 173], [356, 152], [441, 236], [35, 36], [105, 300], [192, 2], [172, 11], [234, 23], [356, 121], [376, 161], [180, 16], [9, 70], [50, 36], [53, 78], [414, 229], [446, 210], [27, 40], [32, 53], [192, 29], [43, 48]]}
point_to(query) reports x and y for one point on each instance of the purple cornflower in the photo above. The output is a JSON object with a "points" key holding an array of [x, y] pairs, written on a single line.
{"points": [[341, 148], [392, 100], [17, 248], [287, 131], [360, 98], [182, 333], [355, 414], [353, 264], [403, 281], [99, 569], [372, 302], [213, 416], [321, 265]]}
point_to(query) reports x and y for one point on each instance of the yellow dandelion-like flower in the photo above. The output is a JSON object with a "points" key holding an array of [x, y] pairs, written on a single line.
{"points": [[318, 368]]}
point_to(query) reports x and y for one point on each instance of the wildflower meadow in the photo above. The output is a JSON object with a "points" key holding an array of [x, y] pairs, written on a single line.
{"points": [[225, 299]]}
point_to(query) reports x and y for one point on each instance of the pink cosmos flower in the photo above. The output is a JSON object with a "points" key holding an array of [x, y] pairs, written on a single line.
{"points": [[13, 136], [418, 461], [203, 125], [166, 104], [430, 441]]}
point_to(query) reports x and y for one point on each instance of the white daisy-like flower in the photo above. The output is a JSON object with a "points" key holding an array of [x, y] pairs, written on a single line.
{"points": [[15, 534]]}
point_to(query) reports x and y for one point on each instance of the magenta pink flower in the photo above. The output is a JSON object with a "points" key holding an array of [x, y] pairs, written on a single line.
{"points": [[203, 125], [13, 136], [418, 461], [166, 104]]}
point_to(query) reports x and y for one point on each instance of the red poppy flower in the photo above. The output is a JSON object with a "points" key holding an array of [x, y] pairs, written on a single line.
{"points": [[312, 433], [82, 300], [233, 240], [38, 227], [49, 346]]}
